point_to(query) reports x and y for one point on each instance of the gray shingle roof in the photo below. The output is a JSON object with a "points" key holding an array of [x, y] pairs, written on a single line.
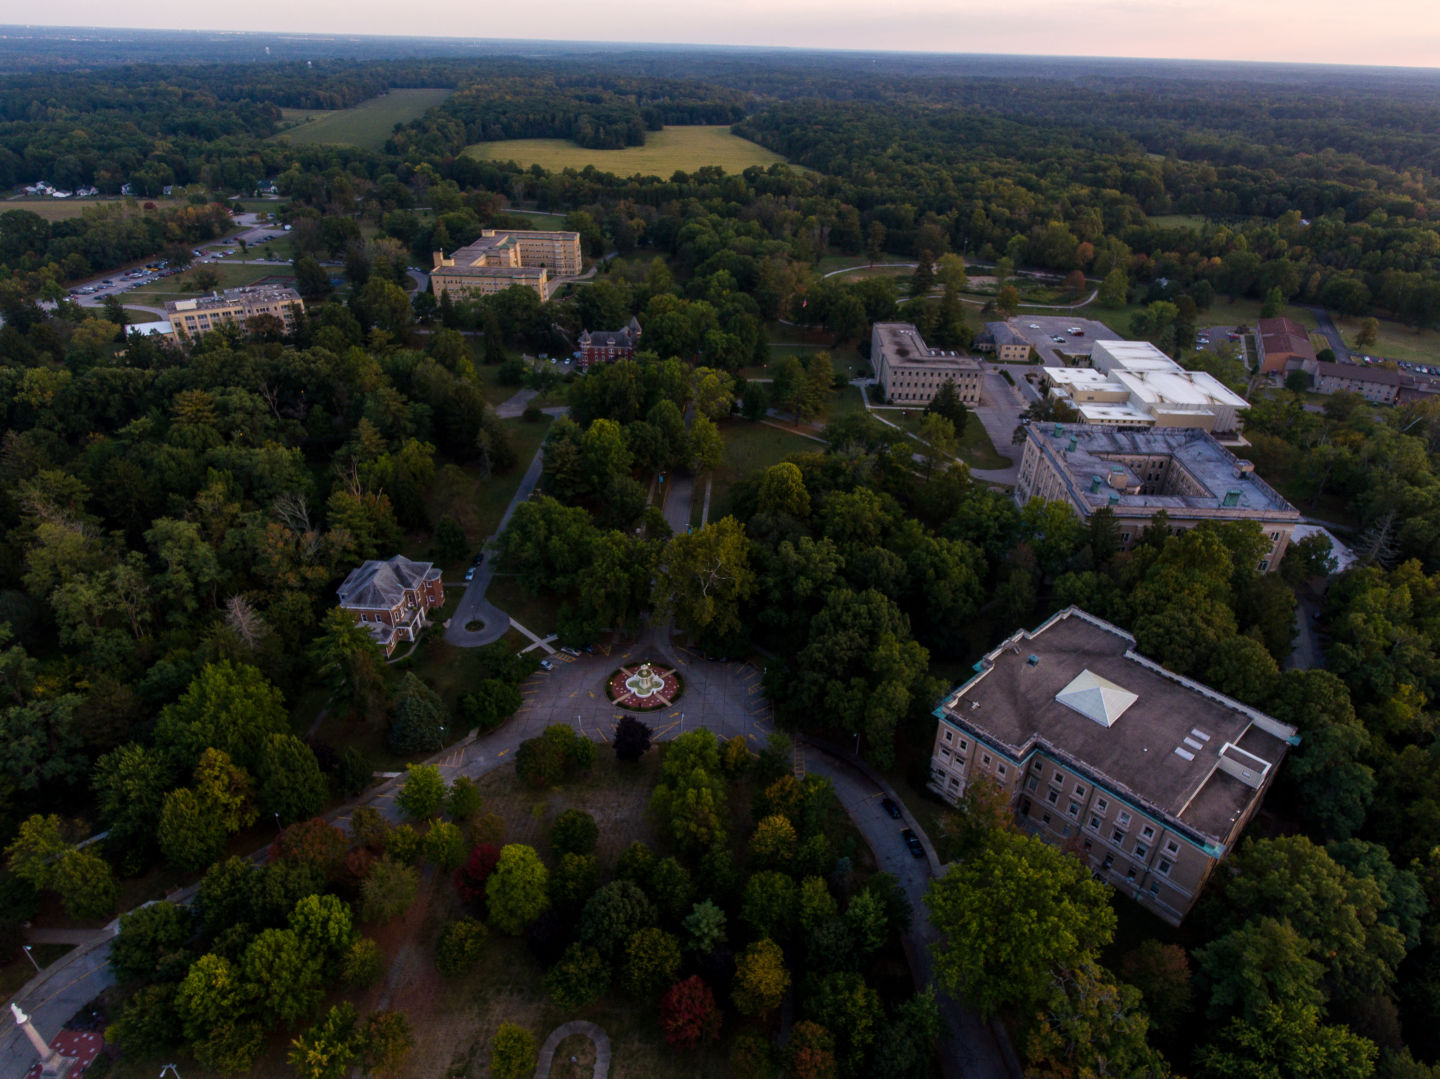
{"points": [[379, 585]]}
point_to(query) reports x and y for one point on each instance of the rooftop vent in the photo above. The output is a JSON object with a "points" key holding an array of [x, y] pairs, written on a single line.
{"points": [[1033, 660], [1096, 482], [1073, 443], [1232, 498], [1059, 430], [1244, 468], [1114, 499]]}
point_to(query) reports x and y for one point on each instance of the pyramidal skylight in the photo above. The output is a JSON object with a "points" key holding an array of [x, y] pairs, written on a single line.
{"points": [[1096, 698]]}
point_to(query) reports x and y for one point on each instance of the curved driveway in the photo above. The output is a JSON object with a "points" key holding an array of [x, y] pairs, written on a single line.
{"points": [[728, 699]]}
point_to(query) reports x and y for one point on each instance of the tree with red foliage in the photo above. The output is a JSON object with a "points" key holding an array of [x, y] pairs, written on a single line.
{"points": [[311, 842], [470, 878], [811, 1052], [688, 1014]]}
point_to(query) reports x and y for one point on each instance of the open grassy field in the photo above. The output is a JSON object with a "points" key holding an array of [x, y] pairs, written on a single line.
{"points": [[682, 148], [542, 222], [59, 209], [1396, 341], [1177, 221], [367, 125]]}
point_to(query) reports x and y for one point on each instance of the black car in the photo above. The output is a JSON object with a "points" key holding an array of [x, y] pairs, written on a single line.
{"points": [[478, 559], [913, 842], [888, 804]]}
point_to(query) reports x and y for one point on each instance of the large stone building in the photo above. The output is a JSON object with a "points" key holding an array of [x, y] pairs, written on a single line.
{"points": [[391, 598], [191, 319], [911, 372], [500, 259], [1008, 343], [1134, 384], [1148, 776], [1138, 473]]}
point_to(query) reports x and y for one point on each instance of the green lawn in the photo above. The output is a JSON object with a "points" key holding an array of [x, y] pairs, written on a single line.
{"points": [[1177, 221], [497, 491], [535, 613], [675, 148], [750, 447], [976, 449], [831, 263], [539, 221], [229, 275], [1396, 341], [62, 209], [367, 125]]}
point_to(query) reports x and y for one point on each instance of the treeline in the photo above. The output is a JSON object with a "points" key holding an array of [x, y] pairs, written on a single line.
{"points": [[599, 113]]}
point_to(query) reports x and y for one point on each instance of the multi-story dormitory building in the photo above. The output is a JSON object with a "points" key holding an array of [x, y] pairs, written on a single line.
{"points": [[1149, 776]]}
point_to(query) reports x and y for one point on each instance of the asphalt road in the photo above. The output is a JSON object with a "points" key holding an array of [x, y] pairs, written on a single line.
{"points": [[1326, 327]]}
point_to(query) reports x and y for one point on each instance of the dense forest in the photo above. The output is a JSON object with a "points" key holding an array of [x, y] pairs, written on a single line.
{"points": [[173, 525]]}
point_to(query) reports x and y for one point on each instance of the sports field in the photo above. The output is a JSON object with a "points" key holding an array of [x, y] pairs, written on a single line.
{"points": [[664, 152], [367, 125]]}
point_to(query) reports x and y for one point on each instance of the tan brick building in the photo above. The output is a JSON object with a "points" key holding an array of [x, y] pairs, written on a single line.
{"points": [[500, 259], [191, 319], [1138, 473], [1148, 776], [911, 372]]}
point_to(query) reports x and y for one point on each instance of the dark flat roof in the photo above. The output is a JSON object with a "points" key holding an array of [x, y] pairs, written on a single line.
{"points": [[1012, 704]]}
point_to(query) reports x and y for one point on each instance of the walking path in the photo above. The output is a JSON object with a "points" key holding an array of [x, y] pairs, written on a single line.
{"points": [[560, 1033]]}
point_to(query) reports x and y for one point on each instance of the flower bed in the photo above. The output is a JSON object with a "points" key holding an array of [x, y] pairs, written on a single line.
{"points": [[645, 687]]}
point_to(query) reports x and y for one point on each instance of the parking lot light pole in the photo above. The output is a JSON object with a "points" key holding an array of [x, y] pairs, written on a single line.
{"points": [[29, 956]]}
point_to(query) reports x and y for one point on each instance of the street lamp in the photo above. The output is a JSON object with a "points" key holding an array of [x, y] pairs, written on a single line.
{"points": [[30, 957], [857, 743], [278, 828]]}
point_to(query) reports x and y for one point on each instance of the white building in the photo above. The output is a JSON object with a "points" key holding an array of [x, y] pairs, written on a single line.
{"points": [[1134, 384]]}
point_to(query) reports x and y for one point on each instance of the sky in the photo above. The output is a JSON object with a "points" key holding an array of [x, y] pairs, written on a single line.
{"points": [[1382, 32]]}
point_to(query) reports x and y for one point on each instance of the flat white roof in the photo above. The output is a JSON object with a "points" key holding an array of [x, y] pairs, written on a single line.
{"points": [[147, 328]]}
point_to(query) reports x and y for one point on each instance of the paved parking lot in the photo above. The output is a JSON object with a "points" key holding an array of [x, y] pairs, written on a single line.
{"points": [[1042, 330]]}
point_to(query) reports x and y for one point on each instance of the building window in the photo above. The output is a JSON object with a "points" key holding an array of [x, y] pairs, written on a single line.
{"points": [[1088, 844], [1000, 771], [1154, 887], [1095, 823], [1109, 861], [945, 753], [1024, 807], [1052, 797], [1123, 819], [1079, 790], [1045, 817], [1171, 847], [949, 736], [1075, 809], [954, 782], [1101, 805], [964, 744], [1163, 867], [1037, 768], [1058, 777], [1030, 784], [1147, 832], [985, 759], [1117, 837], [1140, 850], [1130, 873]]}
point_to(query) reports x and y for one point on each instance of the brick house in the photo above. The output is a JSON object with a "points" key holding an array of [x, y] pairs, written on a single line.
{"points": [[391, 598], [607, 346]]}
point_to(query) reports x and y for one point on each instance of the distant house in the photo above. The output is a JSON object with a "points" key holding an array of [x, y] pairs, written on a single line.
{"points": [[1283, 346], [127, 189], [265, 187], [607, 346], [391, 598]]}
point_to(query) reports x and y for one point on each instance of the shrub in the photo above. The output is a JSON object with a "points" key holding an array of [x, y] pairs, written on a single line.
{"points": [[632, 739], [652, 959], [389, 891], [459, 947], [470, 878], [444, 845], [580, 978], [463, 801], [512, 1053], [422, 795], [362, 964], [574, 832]]}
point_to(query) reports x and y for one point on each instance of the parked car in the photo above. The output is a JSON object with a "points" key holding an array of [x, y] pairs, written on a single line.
{"points": [[570, 651], [546, 665], [469, 574], [479, 558], [913, 842], [589, 649], [888, 804]]}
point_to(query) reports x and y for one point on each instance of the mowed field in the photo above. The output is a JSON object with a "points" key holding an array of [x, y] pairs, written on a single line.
{"points": [[682, 148], [367, 125], [59, 209]]}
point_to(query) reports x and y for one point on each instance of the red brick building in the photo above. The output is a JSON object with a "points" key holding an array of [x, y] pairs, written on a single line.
{"points": [[391, 598], [607, 346]]}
